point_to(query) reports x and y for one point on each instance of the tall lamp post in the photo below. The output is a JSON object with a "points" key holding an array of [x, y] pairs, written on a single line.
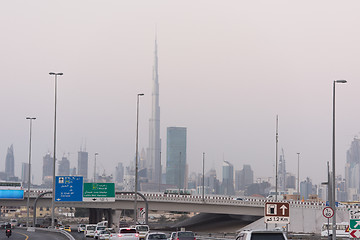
{"points": [[95, 167], [54, 160], [333, 163], [203, 177], [29, 174], [136, 155], [298, 176]]}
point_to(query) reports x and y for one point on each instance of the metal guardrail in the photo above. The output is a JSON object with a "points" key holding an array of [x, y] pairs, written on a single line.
{"points": [[67, 234]]}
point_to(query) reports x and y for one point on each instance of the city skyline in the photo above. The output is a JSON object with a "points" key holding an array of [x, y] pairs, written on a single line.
{"points": [[226, 71]]}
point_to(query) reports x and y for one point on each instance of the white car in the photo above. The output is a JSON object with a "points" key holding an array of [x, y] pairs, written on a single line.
{"points": [[156, 236], [81, 227], [172, 236], [97, 231], [104, 235], [89, 230], [261, 234], [143, 230], [125, 234]]}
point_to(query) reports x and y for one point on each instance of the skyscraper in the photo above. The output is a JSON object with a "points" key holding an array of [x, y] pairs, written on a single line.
{"points": [[119, 173], [83, 164], [227, 185], [154, 150], [352, 170], [10, 162], [176, 157], [282, 172], [24, 173], [64, 167], [244, 177], [47, 169]]}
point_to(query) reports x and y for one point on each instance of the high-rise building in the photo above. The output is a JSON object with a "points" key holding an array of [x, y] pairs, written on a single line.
{"points": [[227, 185], [64, 167], [10, 163], [352, 170], [24, 173], [243, 178], [282, 172], [83, 162], [176, 157], [211, 182], [290, 181], [119, 173], [47, 176], [306, 189], [154, 150]]}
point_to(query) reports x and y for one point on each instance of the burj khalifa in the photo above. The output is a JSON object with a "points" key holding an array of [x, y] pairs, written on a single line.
{"points": [[154, 151]]}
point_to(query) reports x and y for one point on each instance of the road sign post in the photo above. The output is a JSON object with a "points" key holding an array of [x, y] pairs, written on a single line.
{"points": [[99, 192], [277, 212]]}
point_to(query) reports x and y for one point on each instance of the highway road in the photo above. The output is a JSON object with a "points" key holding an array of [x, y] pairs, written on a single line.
{"points": [[22, 234]]}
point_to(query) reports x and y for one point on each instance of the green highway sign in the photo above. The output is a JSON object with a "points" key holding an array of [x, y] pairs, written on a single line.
{"points": [[99, 192], [354, 223]]}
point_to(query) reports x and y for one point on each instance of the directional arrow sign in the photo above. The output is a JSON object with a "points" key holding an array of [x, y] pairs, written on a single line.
{"points": [[355, 234], [283, 208], [355, 224], [277, 212]]}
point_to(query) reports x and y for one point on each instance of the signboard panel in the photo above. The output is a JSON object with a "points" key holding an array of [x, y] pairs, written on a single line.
{"points": [[68, 188], [354, 233], [328, 212], [354, 214], [11, 194], [355, 224], [99, 192], [277, 212]]}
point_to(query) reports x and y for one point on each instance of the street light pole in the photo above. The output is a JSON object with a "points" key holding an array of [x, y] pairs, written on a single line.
{"points": [[54, 160], [29, 173], [136, 155], [298, 177], [276, 158], [95, 167], [203, 177], [333, 163]]}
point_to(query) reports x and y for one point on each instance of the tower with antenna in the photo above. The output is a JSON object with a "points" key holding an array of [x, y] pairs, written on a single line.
{"points": [[154, 160]]}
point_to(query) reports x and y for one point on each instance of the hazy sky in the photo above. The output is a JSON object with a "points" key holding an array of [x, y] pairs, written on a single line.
{"points": [[226, 68]]}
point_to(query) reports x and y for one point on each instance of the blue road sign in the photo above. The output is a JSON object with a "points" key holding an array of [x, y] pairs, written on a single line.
{"points": [[69, 189], [336, 204], [11, 194]]}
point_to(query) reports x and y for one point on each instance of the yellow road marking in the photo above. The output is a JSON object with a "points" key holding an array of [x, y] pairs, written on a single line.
{"points": [[24, 235]]}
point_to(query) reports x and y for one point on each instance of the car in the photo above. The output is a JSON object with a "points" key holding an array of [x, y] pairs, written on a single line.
{"points": [[97, 231], [67, 228], [172, 236], [125, 234], [89, 230], [81, 228], [104, 235], [143, 230], [185, 235], [261, 234], [156, 236], [59, 226]]}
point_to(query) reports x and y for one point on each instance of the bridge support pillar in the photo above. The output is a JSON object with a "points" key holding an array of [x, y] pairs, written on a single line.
{"points": [[97, 215]]}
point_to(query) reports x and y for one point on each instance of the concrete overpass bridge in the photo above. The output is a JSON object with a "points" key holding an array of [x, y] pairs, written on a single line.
{"points": [[304, 216]]}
